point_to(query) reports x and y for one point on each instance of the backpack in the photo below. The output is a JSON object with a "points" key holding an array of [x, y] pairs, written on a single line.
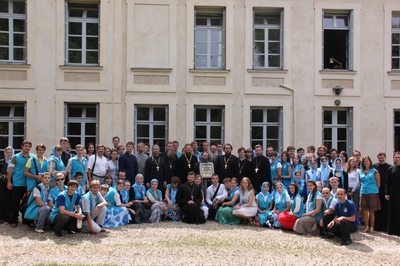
{"points": [[25, 202]]}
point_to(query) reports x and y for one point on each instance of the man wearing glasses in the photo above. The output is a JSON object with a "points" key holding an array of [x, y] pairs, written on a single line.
{"points": [[59, 187]]}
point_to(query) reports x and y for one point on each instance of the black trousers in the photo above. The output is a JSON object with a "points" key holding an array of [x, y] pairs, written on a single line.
{"points": [[5, 201], [326, 219], [343, 229], [16, 195], [63, 221]]}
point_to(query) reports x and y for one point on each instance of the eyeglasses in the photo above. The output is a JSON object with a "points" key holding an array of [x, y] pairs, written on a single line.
{"points": [[325, 192], [60, 179]]}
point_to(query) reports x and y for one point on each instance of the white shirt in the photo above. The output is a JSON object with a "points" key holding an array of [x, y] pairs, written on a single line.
{"points": [[100, 167], [222, 193]]}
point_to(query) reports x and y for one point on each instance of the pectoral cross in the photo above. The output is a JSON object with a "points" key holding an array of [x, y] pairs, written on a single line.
{"points": [[158, 168], [170, 166], [189, 165], [256, 170], [240, 172], [192, 197], [226, 166]]}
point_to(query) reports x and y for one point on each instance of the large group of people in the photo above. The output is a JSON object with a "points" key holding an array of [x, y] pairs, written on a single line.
{"points": [[308, 191]]}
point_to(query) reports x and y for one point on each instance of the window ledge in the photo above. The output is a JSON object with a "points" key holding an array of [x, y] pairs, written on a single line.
{"points": [[151, 69], [338, 72], [81, 67], [14, 66], [394, 73], [191, 70], [261, 70]]}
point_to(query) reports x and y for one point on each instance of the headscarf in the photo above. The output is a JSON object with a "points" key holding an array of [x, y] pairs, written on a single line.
{"points": [[8, 160], [136, 187], [54, 153], [157, 197], [263, 191], [338, 169]]}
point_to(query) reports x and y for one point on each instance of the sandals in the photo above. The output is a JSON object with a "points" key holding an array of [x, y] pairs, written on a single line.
{"points": [[366, 229]]}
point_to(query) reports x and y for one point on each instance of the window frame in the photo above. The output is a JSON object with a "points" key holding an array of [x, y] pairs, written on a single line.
{"points": [[151, 122], [265, 14], [395, 31], [210, 13], [11, 46], [82, 120], [84, 20], [395, 125], [348, 65], [264, 141], [335, 126], [208, 123], [11, 119]]}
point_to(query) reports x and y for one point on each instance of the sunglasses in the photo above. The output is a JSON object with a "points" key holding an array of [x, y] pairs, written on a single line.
{"points": [[60, 179]]}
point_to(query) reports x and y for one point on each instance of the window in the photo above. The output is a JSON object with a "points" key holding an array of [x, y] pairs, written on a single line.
{"points": [[266, 127], [397, 130], [81, 123], [209, 35], [209, 124], [337, 129], [12, 32], [268, 39], [396, 41], [12, 126], [82, 34], [151, 125], [337, 40]]}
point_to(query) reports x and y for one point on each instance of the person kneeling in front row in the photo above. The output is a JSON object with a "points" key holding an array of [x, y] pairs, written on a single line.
{"points": [[94, 208], [346, 220]]}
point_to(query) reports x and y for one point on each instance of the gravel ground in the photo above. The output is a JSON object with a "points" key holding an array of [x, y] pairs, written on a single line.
{"points": [[175, 243]]}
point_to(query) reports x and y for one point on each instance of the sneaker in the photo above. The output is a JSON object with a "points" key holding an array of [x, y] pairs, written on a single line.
{"points": [[79, 224], [328, 236], [71, 232], [39, 230], [58, 234]]}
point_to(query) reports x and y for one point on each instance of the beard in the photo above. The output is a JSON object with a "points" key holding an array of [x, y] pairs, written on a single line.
{"points": [[170, 155]]}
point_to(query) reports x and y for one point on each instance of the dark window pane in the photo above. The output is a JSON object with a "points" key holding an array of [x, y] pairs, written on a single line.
{"points": [[92, 29], [93, 13], [272, 132], [259, 60], [90, 128], [257, 115], [201, 114], [395, 63], [92, 57], [273, 61], [17, 140], [258, 20], [77, 13], [75, 57], [75, 42], [259, 34], [216, 132], [91, 112], [19, 53], [216, 22], [397, 138], [395, 50], [3, 129], [255, 142], [327, 117], [342, 134], [328, 144], [4, 39], [395, 38], [19, 128], [342, 117], [201, 132], [273, 34], [159, 131], [342, 146], [92, 43], [3, 8], [3, 24], [74, 129], [201, 21], [159, 114], [19, 25], [3, 53], [273, 143], [143, 131], [75, 28], [5, 110], [18, 7], [273, 48], [259, 47], [74, 141], [216, 115], [327, 134], [3, 142], [161, 143], [19, 39], [396, 117], [19, 111], [144, 140], [75, 112], [257, 133], [90, 139], [143, 113], [273, 115]]}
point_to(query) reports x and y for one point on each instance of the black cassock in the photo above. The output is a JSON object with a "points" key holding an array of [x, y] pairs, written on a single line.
{"points": [[261, 172], [227, 166], [185, 164], [171, 164], [245, 169], [192, 213], [155, 168], [381, 216], [393, 189]]}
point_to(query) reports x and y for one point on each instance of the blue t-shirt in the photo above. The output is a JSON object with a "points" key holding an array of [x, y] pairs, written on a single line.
{"points": [[347, 209], [61, 200]]}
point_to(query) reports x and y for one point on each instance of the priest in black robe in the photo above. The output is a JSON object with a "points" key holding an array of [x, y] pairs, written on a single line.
{"points": [[155, 168], [261, 169], [245, 167], [227, 165], [189, 199], [381, 216], [171, 161], [392, 194], [186, 163]]}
